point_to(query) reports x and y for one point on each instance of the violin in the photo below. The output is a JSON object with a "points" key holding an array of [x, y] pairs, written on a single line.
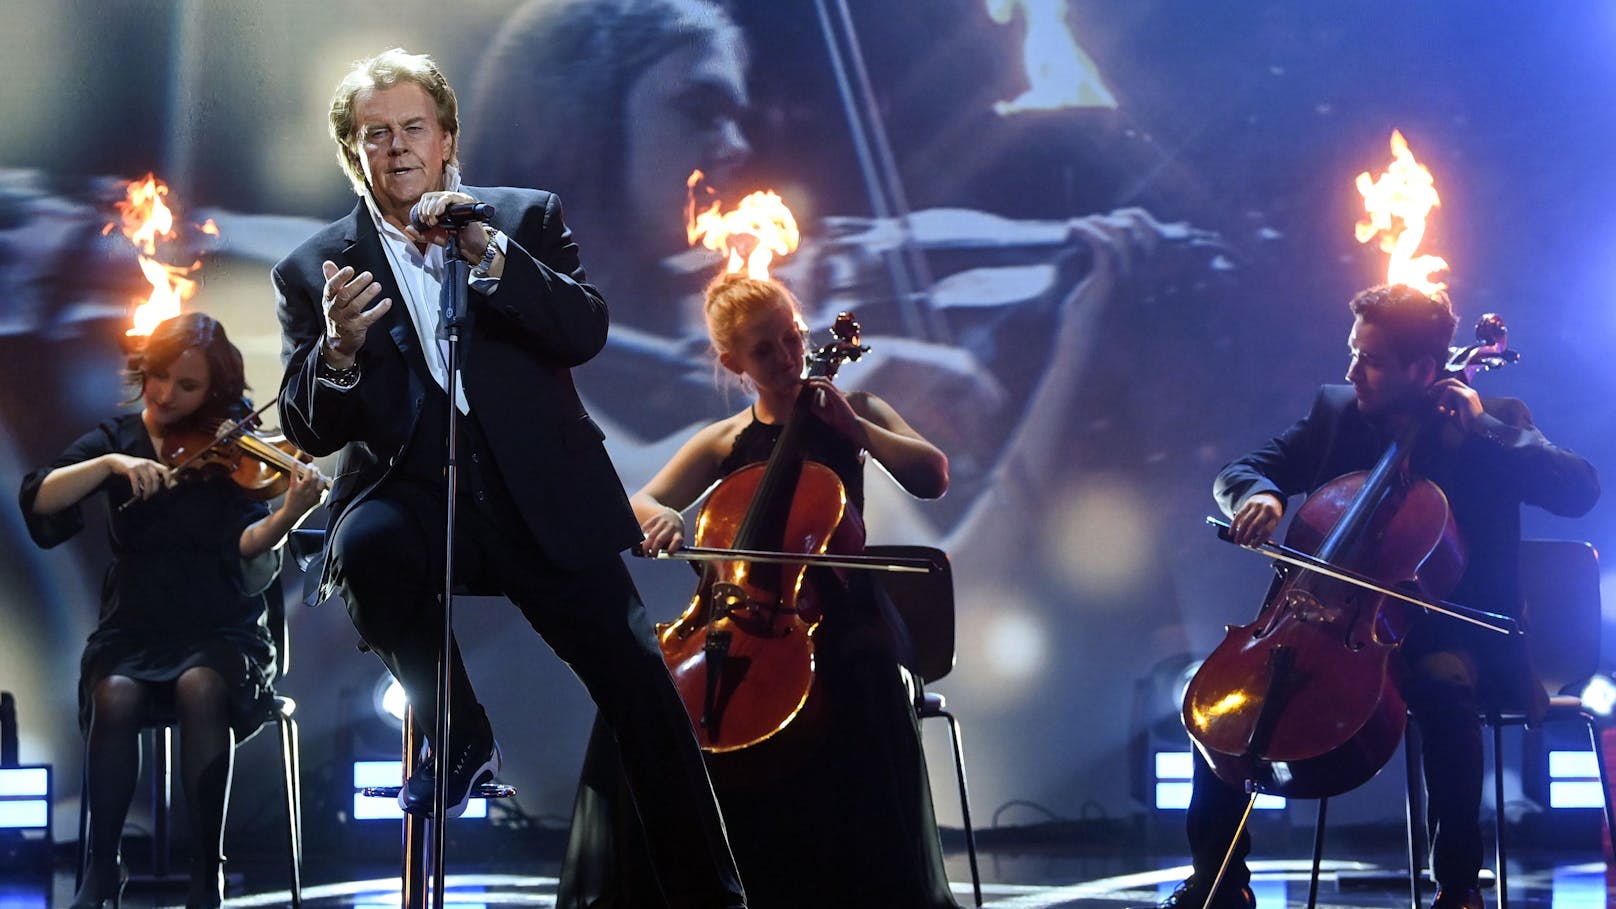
{"points": [[742, 654], [260, 463], [1304, 701]]}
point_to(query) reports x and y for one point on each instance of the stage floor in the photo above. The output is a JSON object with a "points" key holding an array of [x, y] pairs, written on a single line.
{"points": [[1041, 879]]}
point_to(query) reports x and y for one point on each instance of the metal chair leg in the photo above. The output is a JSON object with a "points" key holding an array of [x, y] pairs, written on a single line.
{"points": [[290, 780], [1413, 768], [412, 893], [1604, 782], [1498, 814], [1318, 854], [965, 801], [162, 796], [297, 799], [84, 824]]}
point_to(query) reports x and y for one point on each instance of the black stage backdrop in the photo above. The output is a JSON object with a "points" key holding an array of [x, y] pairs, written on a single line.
{"points": [[1115, 299]]}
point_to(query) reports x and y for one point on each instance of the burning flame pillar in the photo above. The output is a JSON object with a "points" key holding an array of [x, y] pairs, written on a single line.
{"points": [[750, 235], [148, 222], [1397, 204]]}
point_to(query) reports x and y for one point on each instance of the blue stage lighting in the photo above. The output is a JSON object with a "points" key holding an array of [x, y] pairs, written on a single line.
{"points": [[1175, 771], [1574, 780], [25, 798]]}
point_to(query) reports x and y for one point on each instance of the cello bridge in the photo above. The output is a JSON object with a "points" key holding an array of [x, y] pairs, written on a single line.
{"points": [[727, 599], [730, 601], [1308, 608]]}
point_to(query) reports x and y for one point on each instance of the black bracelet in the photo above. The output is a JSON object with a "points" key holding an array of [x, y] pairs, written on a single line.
{"points": [[342, 378]]}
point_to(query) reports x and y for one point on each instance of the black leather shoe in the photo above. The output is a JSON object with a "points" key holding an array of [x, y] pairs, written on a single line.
{"points": [[470, 765], [1455, 898], [1192, 895]]}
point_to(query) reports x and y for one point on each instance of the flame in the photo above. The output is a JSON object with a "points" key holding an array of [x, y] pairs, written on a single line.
{"points": [[146, 221], [1060, 74], [1397, 203], [750, 235]]}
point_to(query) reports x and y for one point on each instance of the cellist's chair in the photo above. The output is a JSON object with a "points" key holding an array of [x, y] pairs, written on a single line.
{"points": [[925, 602], [1559, 583], [278, 710], [1561, 613]]}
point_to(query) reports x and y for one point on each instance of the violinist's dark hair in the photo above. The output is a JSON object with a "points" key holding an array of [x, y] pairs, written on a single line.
{"points": [[227, 378], [549, 101], [734, 297], [1421, 324]]}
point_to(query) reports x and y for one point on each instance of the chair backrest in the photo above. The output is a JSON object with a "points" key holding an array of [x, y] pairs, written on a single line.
{"points": [[275, 617], [305, 544], [1560, 604], [925, 602]]}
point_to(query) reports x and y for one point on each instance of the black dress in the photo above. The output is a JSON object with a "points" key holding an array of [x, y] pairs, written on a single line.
{"points": [[853, 827], [177, 594]]}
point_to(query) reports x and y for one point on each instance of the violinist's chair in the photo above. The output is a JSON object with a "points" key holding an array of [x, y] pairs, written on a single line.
{"points": [[1561, 614], [926, 604], [162, 724]]}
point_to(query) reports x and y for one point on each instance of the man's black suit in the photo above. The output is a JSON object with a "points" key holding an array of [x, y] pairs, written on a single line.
{"points": [[1502, 463], [519, 348], [542, 518]]}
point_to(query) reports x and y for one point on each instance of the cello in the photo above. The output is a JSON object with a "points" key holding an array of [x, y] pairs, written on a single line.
{"points": [[742, 654], [1304, 702]]}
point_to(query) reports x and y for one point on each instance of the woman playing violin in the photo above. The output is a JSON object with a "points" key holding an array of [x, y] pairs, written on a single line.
{"points": [[182, 629], [863, 787], [1488, 458]]}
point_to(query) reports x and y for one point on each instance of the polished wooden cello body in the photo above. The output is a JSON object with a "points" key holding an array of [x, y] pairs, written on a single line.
{"points": [[742, 654], [1304, 701]]}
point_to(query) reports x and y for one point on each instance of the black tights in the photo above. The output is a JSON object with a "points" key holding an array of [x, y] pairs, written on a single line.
{"points": [[207, 750]]}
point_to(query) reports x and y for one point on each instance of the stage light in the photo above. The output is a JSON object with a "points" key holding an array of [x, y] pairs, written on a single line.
{"points": [[389, 700], [1016, 645], [1099, 568], [1599, 695], [1574, 780], [391, 773], [1175, 770], [25, 798]]}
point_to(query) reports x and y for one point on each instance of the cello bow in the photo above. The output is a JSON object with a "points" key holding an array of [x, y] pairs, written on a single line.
{"points": [[856, 562], [1492, 621]]}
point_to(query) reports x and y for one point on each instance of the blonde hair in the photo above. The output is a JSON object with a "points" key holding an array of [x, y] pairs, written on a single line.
{"points": [[734, 298], [388, 68]]}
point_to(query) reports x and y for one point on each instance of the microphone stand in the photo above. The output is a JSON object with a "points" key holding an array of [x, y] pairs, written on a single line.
{"points": [[452, 305]]}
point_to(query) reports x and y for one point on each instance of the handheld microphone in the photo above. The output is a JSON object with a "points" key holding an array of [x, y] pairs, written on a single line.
{"points": [[455, 216]]}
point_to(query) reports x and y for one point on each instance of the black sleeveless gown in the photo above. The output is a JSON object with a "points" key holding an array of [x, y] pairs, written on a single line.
{"points": [[853, 827]]}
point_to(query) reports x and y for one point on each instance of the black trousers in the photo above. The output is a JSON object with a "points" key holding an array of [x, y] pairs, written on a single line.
{"points": [[387, 557], [1441, 694]]}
